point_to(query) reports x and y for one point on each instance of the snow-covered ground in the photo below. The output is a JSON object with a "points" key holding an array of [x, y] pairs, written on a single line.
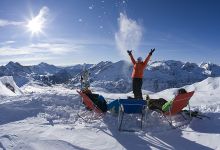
{"points": [[47, 118]]}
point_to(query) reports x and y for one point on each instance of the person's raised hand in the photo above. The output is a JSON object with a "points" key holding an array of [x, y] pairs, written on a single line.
{"points": [[151, 51], [129, 52]]}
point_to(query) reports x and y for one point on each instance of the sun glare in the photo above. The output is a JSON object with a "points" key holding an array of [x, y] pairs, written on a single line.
{"points": [[35, 26], [37, 23]]}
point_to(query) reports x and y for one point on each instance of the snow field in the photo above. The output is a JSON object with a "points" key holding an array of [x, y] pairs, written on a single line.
{"points": [[47, 118]]}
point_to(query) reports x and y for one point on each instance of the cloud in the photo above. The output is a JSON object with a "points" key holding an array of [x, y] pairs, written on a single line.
{"points": [[10, 51], [56, 48], [4, 23], [7, 42], [50, 48], [129, 34], [41, 17], [41, 51]]}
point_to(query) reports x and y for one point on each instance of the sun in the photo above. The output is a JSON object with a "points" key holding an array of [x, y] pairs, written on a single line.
{"points": [[35, 25]]}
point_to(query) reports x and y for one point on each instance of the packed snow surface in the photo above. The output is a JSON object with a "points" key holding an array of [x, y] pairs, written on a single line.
{"points": [[53, 118]]}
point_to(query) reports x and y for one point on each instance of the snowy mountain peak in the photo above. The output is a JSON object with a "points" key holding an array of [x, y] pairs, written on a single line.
{"points": [[44, 68], [12, 64], [43, 64], [46, 65], [158, 65], [210, 69], [189, 66], [122, 63], [165, 65], [101, 64], [208, 66], [173, 63], [15, 68]]}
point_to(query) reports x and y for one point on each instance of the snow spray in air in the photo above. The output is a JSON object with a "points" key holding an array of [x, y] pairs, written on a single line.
{"points": [[128, 36]]}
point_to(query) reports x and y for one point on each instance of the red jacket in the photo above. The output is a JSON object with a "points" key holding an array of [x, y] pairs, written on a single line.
{"points": [[138, 69]]}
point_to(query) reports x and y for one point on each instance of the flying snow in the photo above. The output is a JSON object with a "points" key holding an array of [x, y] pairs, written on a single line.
{"points": [[129, 34]]}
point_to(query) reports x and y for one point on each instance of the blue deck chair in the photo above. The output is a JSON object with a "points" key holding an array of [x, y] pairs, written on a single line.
{"points": [[130, 106]]}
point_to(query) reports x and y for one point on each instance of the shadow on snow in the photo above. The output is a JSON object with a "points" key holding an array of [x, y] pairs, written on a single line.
{"points": [[171, 139]]}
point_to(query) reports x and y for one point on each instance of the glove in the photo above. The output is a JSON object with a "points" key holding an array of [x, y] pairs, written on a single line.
{"points": [[129, 52], [151, 51]]}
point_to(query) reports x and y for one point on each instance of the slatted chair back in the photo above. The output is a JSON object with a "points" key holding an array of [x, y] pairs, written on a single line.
{"points": [[179, 102], [89, 103], [132, 106]]}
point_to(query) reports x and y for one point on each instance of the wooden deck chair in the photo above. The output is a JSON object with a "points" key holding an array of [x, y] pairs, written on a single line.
{"points": [[130, 106], [179, 102]]}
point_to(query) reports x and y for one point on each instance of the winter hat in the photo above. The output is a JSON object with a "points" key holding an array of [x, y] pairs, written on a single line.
{"points": [[139, 59]]}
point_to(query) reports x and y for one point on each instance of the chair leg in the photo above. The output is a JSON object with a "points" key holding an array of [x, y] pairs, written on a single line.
{"points": [[120, 119], [147, 111], [170, 116], [189, 111], [142, 116], [168, 120], [183, 116]]}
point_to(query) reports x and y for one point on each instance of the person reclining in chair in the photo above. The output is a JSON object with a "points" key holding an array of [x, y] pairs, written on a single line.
{"points": [[162, 104], [97, 99]]}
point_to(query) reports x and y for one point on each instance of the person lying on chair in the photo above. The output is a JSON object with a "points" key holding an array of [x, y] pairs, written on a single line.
{"points": [[162, 104]]}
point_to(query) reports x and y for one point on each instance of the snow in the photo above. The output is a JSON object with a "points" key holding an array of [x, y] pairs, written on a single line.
{"points": [[206, 92], [4, 91], [45, 117]]}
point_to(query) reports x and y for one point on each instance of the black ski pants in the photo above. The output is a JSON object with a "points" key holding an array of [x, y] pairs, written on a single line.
{"points": [[137, 85]]}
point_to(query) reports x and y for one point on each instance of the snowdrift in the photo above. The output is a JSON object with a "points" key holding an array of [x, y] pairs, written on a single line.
{"points": [[206, 92], [8, 87]]}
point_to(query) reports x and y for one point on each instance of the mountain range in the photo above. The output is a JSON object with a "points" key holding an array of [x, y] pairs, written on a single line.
{"points": [[114, 76]]}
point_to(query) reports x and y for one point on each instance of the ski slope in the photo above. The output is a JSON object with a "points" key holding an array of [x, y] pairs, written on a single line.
{"points": [[46, 118]]}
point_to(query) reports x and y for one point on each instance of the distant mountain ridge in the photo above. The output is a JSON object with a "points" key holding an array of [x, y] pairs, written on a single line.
{"points": [[114, 77], [44, 68]]}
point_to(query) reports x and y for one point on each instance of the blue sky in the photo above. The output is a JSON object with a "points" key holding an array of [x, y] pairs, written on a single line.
{"points": [[90, 31]]}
